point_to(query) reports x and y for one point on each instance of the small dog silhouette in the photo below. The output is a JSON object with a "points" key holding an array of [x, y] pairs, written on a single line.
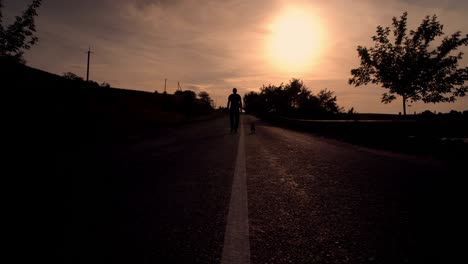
{"points": [[252, 128]]}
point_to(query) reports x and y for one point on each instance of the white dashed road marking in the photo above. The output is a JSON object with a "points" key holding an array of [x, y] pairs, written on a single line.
{"points": [[236, 239]]}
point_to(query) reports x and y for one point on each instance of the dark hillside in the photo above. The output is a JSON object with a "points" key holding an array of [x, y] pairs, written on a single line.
{"points": [[76, 112]]}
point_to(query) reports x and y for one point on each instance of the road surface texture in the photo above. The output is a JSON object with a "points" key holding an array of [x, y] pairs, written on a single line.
{"points": [[163, 200], [303, 198]]}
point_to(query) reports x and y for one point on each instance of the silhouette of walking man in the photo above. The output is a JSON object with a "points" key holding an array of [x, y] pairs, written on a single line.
{"points": [[234, 105]]}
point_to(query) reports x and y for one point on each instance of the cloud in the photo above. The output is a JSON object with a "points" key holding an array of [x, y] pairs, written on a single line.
{"points": [[215, 45]]}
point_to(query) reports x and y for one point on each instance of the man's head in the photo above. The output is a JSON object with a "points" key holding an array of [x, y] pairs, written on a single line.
{"points": [[234, 90]]}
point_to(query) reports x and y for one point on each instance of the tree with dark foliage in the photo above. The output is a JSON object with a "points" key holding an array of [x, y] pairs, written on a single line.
{"points": [[205, 97], [185, 101], [73, 77], [327, 101], [292, 99], [19, 36], [409, 67]]}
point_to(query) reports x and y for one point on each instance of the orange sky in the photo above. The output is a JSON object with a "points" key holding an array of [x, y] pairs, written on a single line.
{"points": [[216, 45]]}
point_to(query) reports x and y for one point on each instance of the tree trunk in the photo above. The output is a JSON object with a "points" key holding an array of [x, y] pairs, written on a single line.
{"points": [[404, 105]]}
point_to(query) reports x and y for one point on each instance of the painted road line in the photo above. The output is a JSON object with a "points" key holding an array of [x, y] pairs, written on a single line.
{"points": [[236, 239]]}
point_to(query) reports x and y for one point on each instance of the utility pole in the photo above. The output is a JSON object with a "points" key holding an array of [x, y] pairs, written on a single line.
{"points": [[165, 81], [87, 69], [178, 87]]}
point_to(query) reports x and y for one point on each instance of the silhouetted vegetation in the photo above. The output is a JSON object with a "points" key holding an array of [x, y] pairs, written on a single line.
{"points": [[451, 116], [81, 82], [19, 36], [184, 102], [294, 106], [105, 85], [89, 112], [409, 67], [73, 77], [293, 100], [206, 98]]}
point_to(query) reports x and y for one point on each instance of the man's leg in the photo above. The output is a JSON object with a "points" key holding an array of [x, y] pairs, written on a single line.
{"points": [[236, 125], [231, 120]]}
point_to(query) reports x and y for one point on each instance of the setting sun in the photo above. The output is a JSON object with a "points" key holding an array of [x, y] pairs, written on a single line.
{"points": [[295, 39]]}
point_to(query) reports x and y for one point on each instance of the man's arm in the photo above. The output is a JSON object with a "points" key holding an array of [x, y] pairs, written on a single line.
{"points": [[240, 103], [229, 101]]}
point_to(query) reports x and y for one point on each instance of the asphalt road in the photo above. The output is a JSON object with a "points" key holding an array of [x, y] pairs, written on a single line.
{"points": [[166, 199]]}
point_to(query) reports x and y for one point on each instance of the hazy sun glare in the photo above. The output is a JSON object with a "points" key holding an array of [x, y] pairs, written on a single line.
{"points": [[295, 40]]}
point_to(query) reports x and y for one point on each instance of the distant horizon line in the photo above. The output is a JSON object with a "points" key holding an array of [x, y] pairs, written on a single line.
{"points": [[156, 90]]}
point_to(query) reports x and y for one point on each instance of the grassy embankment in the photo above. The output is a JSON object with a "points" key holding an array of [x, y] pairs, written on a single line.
{"points": [[441, 136], [77, 113]]}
